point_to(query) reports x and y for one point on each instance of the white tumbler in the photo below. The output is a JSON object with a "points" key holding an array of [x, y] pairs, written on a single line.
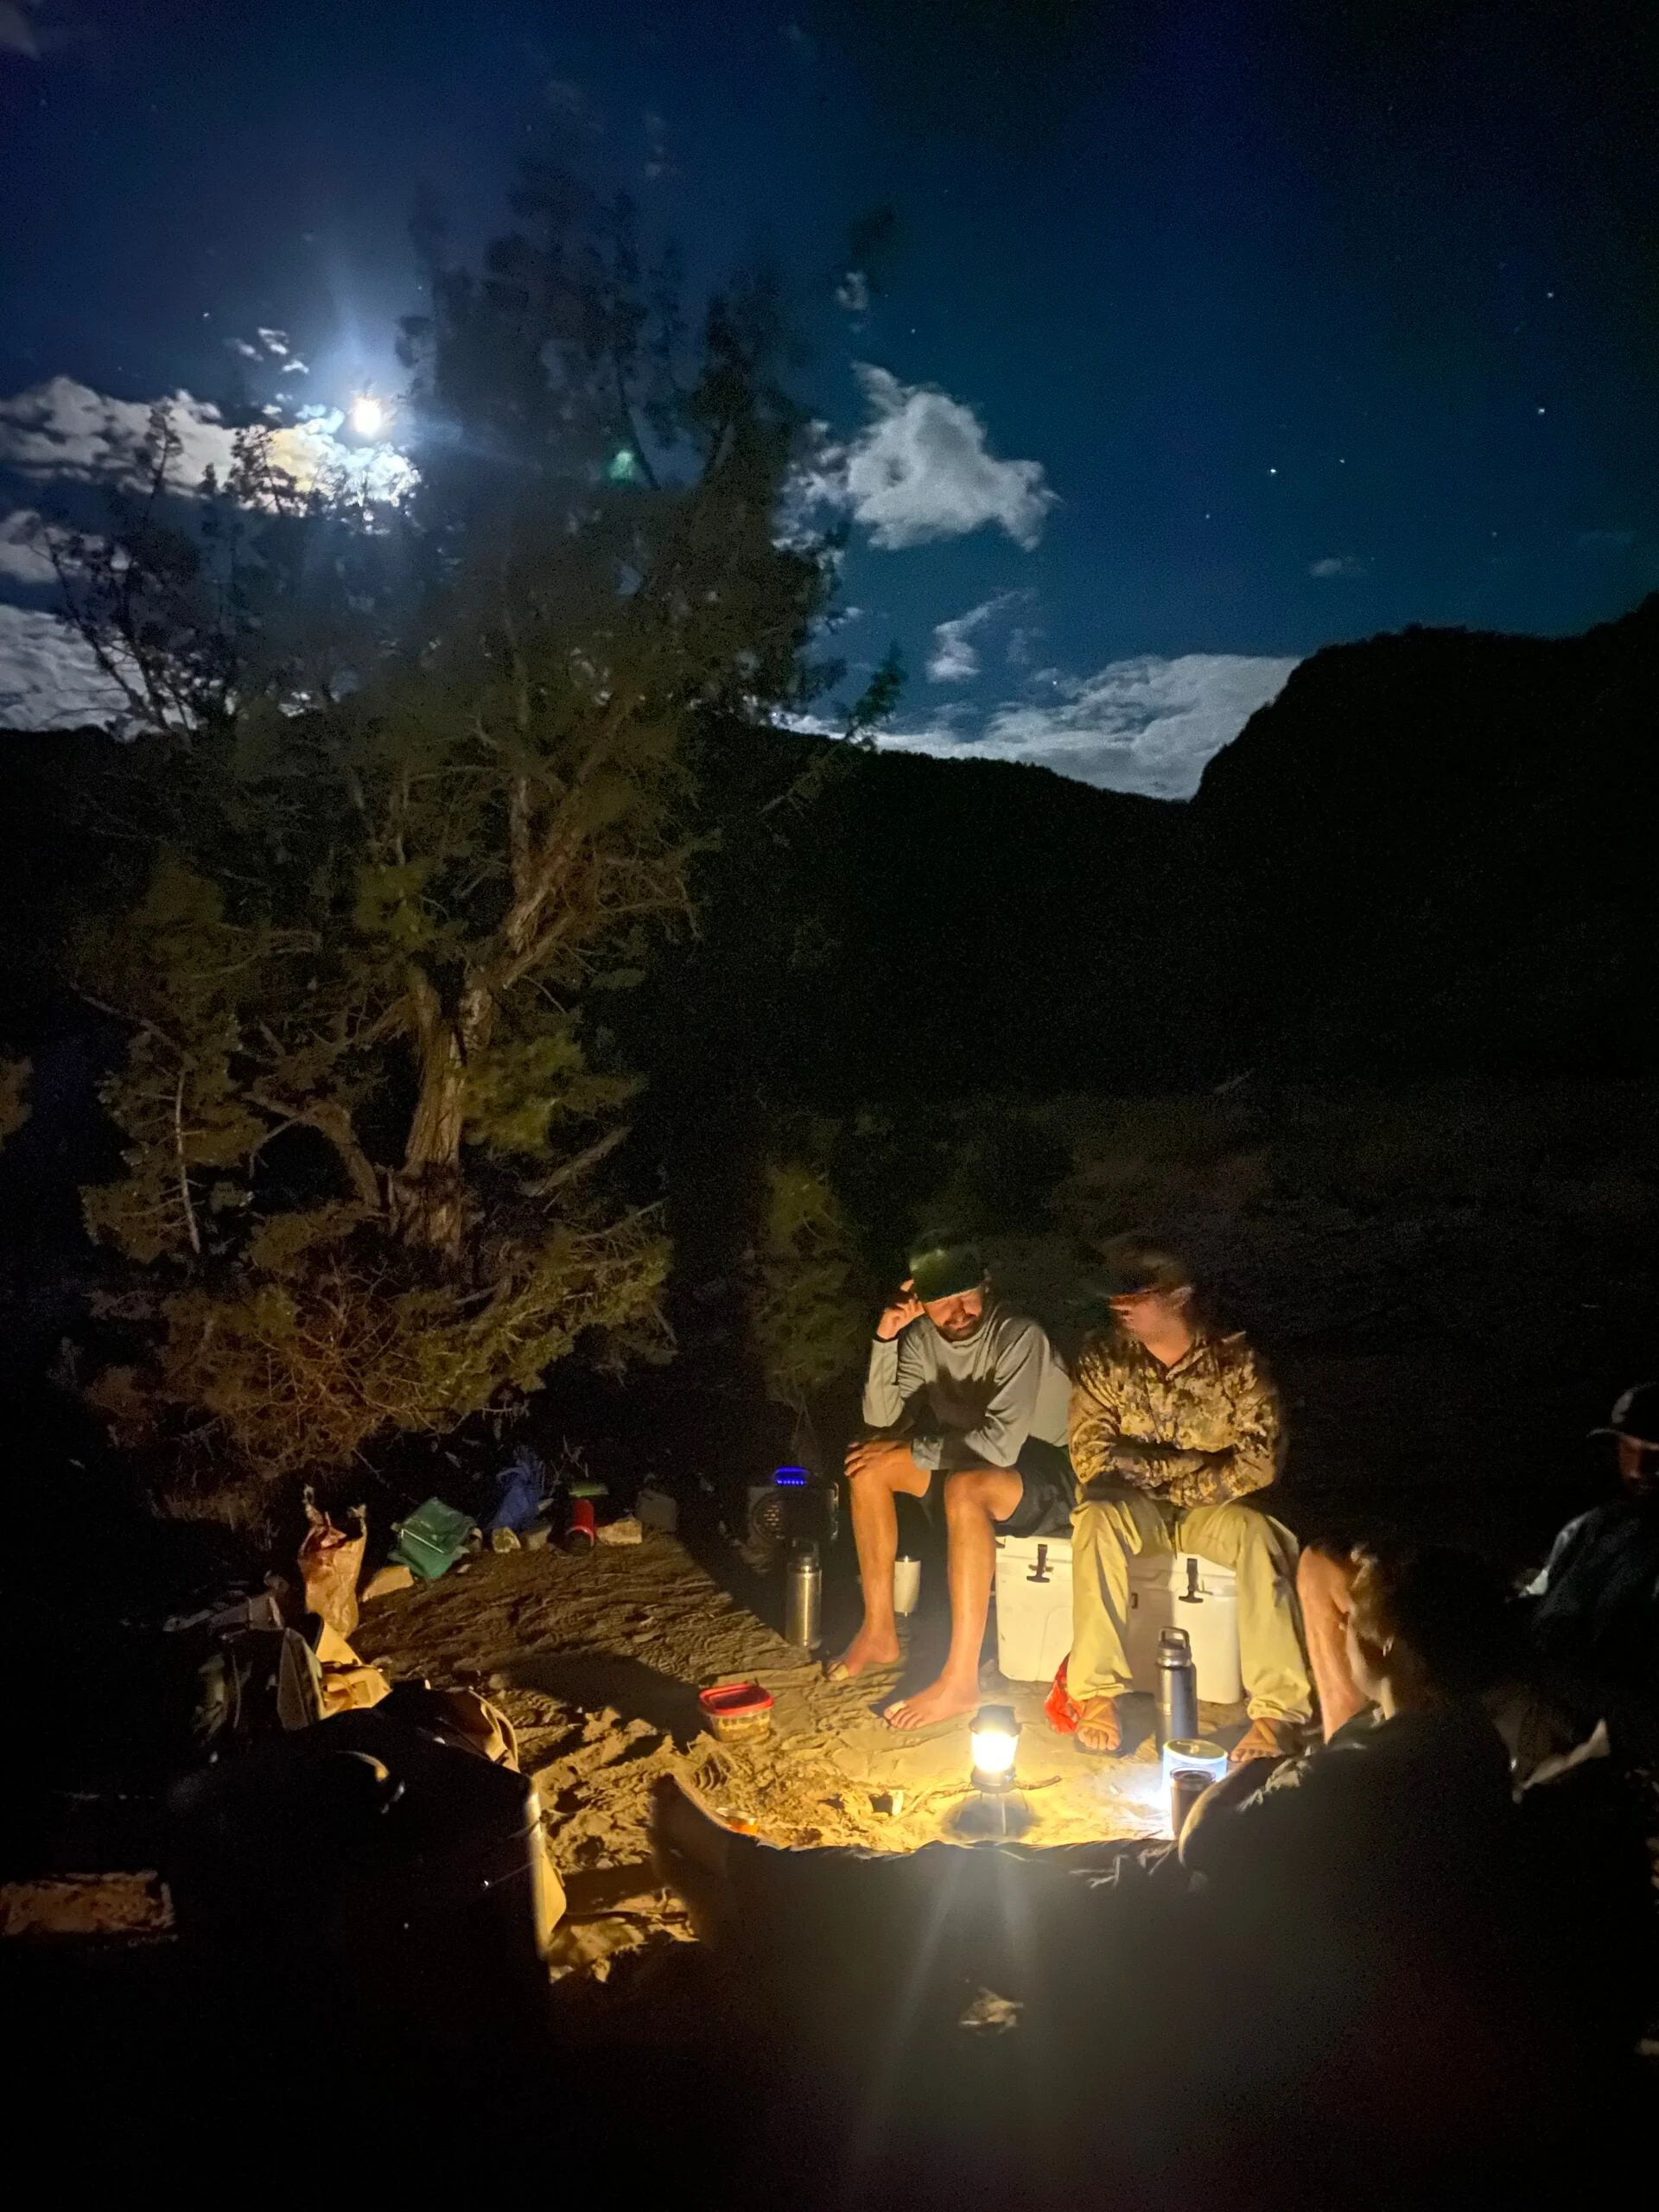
{"points": [[906, 1586]]}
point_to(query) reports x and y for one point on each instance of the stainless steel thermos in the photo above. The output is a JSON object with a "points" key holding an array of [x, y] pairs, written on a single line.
{"points": [[802, 1599], [1177, 1687]]}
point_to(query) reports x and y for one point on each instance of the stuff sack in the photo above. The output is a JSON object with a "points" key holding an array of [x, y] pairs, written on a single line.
{"points": [[331, 1559], [524, 1488]]}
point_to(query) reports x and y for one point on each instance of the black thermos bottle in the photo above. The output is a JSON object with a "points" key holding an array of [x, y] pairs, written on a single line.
{"points": [[1177, 1687]]}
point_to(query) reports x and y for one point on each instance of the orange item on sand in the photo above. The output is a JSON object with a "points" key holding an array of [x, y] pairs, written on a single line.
{"points": [[1060, 1706], [331, 1559]]}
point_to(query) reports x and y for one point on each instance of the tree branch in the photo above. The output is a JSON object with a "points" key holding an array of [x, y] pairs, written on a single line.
{"points": [[332, 1122], [184, 1178], [567, 1171]]}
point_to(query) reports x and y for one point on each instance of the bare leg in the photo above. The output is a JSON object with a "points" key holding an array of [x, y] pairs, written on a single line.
{"points": [[876, 1474], [1324, 1583], [972, 1502]]}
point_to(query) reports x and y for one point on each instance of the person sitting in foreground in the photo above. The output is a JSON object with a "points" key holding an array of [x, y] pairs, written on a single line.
{"points": [[1405, 1809], [973, 1399], [1173, 1423], [1597, 1610]]}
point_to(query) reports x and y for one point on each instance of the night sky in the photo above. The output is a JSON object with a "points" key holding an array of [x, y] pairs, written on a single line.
{"points": [[1201, 335]]}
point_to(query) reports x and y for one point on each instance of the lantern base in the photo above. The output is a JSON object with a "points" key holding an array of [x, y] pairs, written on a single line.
{"points": [[992, 1816]]}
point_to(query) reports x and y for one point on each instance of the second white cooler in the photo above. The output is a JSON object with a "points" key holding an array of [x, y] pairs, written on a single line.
{"points": [[1166, 1590]]}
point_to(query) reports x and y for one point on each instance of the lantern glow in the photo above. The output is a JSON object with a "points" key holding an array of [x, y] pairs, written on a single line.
{"points": [[995, 1736]]}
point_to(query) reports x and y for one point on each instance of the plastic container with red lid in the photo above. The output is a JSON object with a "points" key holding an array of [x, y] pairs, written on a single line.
{"points": [[734, 1710]]}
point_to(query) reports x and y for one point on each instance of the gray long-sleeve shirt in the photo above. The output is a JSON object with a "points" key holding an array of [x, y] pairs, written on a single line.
{"points": [[971, 1402]]}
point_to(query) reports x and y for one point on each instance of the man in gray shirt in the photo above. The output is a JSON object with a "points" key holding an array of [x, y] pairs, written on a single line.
{"points": [[973, 1402]]}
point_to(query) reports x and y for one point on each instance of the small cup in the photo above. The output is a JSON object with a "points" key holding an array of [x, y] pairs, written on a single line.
{"points": [[906, 1586]]}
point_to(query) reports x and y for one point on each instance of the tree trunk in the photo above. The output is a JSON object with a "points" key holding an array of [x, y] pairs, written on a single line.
{"points": [[427, 1192]]}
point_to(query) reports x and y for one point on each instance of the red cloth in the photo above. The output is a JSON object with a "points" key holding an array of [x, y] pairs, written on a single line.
{"points": [[1060, 1706]]}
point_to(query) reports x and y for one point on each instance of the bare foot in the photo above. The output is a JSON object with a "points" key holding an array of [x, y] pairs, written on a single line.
{"points": [[1100, 1726], [867, 1649], [941, 1700]]}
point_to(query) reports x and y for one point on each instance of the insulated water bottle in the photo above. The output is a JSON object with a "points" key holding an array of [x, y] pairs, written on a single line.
{"points": [[802, 1596], [1177, 1687]]}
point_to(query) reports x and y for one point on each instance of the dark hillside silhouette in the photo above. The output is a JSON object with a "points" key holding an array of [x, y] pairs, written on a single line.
{"points": [[1434, 853], [1431, 855]]}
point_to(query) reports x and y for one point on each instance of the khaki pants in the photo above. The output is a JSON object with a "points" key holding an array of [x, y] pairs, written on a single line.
{"points": [[1113, 1522]]}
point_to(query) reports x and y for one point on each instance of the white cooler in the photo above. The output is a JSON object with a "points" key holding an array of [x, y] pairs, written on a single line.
{"points": [[1178, 1589]]}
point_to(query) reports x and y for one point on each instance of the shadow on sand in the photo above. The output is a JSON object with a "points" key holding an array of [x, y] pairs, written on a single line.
{"points": [[596, 1679]]}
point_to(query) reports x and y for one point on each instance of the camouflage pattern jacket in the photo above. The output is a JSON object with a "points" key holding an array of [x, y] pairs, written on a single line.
{"points": [[1203, 1432]]}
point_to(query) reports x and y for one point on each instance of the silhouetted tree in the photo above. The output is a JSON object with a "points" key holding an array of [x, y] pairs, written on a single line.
{"points": [[414, 778]]}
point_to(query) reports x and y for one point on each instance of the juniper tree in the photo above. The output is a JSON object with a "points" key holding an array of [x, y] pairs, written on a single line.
{"points": [[415, 788], [811, 1299]]}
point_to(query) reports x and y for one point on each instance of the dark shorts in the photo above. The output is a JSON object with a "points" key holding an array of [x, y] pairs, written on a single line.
{"points": [[1048, 1491]]}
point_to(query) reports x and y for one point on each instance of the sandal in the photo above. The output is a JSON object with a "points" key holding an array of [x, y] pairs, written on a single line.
{"points": [[1265, 1740], [1099, 1717]]}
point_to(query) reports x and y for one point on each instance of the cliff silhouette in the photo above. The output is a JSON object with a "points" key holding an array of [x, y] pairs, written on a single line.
{"points": [[1431, 855]]}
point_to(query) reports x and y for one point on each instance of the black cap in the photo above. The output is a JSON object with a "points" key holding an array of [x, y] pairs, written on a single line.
{"points": [[1635, 1414], [1131, 1265], [944, 1267]]}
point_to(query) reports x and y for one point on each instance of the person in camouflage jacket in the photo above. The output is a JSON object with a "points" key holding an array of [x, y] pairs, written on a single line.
{"points": [[1171, 1424]]}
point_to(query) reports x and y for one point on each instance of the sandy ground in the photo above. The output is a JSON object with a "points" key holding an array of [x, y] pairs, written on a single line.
{"points": [[129, 1906], [598, 1660]]}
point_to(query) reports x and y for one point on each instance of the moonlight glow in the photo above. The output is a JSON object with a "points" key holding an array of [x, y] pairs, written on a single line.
{"points": [[368, 415]]}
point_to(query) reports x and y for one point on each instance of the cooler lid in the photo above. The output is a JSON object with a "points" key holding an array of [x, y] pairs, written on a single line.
{"points": [[1177, 1575]]}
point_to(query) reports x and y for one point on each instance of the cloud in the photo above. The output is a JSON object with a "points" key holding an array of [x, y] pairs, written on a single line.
{"points": [[49, 677], [1337, 564], [16, 33], [660, 156], [63, 434], [28, 27], [63, 431], [1605, 541], [62, 428], [24, 558], [853, 292], [953, 660], [574, 105], [274, 341], [1149, 725], [920, 470]]}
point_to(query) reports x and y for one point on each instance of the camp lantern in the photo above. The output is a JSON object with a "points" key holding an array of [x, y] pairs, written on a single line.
{"points": [[994, 1737]]}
